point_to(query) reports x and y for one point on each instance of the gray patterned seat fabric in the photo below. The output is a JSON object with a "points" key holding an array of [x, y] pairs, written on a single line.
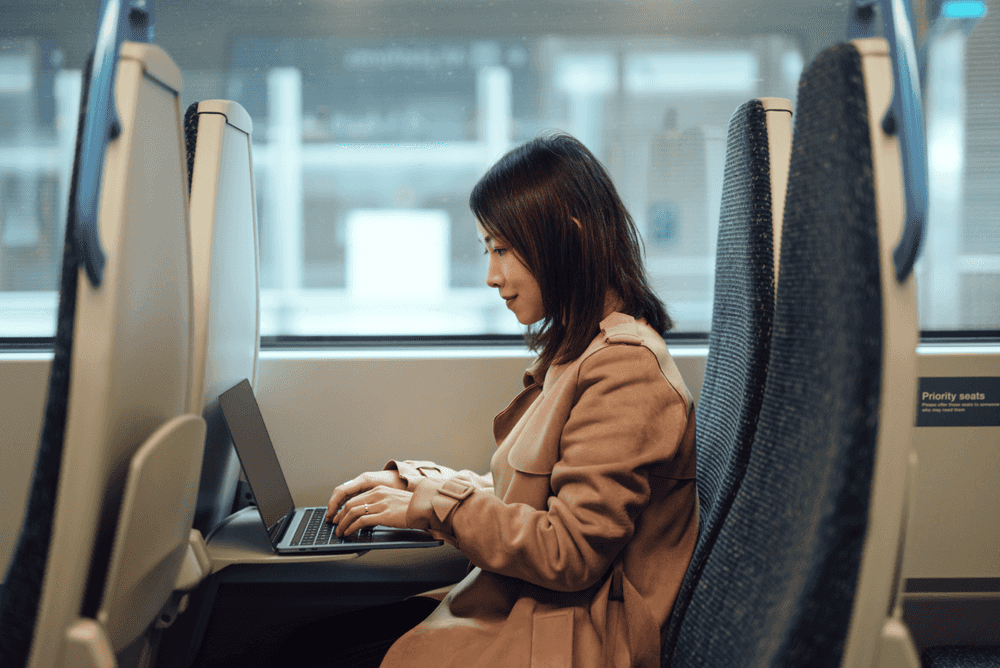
{"points": [[961, 657], [739, 342], [779, 583]]}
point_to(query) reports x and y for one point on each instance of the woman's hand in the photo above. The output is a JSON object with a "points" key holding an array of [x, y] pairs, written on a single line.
{"points": [[380, 505], [359, 485]]}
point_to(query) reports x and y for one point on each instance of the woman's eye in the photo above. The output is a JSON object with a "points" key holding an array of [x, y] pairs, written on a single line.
{"points": [[499, 251]]}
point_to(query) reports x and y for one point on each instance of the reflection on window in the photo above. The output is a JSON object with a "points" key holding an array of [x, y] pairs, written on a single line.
{"points": [[959, 269], [365, 151], [698, 73], [38, 107], [353, 139]]}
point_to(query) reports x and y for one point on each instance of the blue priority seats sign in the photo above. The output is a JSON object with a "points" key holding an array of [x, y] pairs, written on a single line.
{"points": [[971, 401]]}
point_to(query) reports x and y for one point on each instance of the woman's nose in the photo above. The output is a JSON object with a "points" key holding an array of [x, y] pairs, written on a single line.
{"points": [[494, 278]]}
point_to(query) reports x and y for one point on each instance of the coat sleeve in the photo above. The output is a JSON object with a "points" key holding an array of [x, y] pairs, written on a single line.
{"points": [[414, 471], [625, 420]]}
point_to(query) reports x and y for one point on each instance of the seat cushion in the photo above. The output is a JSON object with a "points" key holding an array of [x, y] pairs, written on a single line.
{"points": [[960, 657]]}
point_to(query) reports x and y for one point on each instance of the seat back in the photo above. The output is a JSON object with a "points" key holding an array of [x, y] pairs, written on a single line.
{"points": [[757, 150], [226, 285], [779, 147], [779, 586], [893, 467], [125, 369]]}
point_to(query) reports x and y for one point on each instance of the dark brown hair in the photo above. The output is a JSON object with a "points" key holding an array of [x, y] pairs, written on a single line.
{"points": [[530, 199]]}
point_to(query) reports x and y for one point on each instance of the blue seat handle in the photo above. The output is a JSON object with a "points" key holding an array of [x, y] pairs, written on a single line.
{"points": [[101, 124], [904, 118]]}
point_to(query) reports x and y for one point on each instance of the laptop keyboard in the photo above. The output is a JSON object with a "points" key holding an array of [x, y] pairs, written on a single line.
{"points": [[314, 530]]}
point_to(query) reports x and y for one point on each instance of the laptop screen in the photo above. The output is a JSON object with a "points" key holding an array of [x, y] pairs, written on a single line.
{"points": [[256, 453]]}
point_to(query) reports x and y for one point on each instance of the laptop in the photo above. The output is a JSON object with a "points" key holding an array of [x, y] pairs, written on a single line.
{"points": [[294, 530]]}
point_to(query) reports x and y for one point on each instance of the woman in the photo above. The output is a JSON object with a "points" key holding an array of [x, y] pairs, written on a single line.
{"points": [[581, 533]]}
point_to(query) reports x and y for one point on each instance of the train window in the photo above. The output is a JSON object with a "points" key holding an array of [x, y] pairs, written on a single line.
{"points": [[373, 120], [959, 271]]}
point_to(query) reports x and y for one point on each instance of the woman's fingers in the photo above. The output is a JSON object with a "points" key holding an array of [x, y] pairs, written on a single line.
{"points": [[359, 485], [382, 505], [349, 489], [340, 494], [355, 516]]}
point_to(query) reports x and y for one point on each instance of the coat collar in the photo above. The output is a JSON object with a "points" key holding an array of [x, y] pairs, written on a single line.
{"points": [[614, 328], [531, 375]]}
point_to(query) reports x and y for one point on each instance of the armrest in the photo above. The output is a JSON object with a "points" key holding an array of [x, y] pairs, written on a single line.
{"points": [[197, 564], [896, 648], [154, 528], [87, 646]]}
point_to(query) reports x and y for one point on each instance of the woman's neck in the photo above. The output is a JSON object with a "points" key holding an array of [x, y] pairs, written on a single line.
{"points": [[612, 303]]}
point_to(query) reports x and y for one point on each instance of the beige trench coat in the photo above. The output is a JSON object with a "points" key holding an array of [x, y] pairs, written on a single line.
{"points": [[581, 535]]}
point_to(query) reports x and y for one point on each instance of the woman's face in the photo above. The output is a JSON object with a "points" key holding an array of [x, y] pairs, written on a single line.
{"points": [[517, 286]]}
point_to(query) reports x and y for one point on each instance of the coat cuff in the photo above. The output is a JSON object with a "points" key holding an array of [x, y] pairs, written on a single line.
{"points": [[412, 471], [434, 503]]}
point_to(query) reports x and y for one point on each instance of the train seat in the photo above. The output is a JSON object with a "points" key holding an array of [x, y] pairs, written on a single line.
{"points": [[225, 280], [224, 259], [758, 146], [118, 445], [961, 657], [804, 569]]}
